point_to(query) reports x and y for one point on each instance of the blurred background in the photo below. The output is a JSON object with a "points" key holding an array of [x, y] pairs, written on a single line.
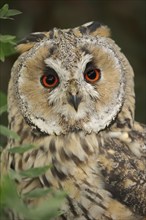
{"points": [[126, 18]]}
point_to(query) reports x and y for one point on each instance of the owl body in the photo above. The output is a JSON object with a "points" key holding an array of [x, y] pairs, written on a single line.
{"points": [[71, 95]]}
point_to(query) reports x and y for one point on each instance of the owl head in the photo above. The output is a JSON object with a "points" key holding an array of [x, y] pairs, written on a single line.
{"points": [[73, 80]]}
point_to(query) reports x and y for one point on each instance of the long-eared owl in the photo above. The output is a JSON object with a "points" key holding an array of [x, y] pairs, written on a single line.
{"points": [[71, 93]]}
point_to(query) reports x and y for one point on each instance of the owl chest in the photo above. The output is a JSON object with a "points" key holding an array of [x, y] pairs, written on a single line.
{"points": [[72, 159], [74, 169]]}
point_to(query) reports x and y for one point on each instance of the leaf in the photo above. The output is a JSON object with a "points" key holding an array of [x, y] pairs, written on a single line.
{"points": [[6, 49], [8, 133], [34, 172], [50, 208], [7, 186], [13, 12], [3, 99], [5, 12], [12, 201], [14, 175], [3, 109], [10, 198], [7, 39], [37, 193], [22, 148], [7, 46], [2, 55]]}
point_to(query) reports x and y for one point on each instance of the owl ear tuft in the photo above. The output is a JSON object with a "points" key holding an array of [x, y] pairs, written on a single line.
{"points": [[95, 28], [28, 42]]}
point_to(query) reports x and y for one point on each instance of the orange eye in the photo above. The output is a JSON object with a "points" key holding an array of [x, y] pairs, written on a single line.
{"points": [[92, 75], [50, 80]]}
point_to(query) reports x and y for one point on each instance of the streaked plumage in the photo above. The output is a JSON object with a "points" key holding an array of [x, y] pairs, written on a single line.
{"points": [[85, 129]]}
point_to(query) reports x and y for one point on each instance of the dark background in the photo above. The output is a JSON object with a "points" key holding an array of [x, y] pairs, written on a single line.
{"points": [[126, 18]]}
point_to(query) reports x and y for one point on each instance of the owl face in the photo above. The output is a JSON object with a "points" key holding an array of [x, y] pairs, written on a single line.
{"points": [[70, 80]]}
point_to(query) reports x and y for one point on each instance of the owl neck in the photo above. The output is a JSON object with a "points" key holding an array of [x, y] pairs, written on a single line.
{"points": [[123, 121], [73, 149]]}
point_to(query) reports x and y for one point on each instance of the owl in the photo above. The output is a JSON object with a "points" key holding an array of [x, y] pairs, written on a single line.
{"points": [[71, 94]]}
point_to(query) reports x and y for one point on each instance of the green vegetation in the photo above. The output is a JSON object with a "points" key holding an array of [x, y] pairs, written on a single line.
{"points": [[7, 42], [10, 199]]}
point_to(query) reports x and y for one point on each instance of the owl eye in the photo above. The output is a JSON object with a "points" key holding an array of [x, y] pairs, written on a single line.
{"points": [[50, 80], [92, 76]]}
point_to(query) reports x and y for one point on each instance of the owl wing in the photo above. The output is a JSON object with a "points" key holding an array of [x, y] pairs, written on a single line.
{"points": [[123, 165]]}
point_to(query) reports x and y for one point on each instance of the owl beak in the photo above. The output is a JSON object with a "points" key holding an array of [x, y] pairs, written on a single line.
{"points": [[74, 101]]}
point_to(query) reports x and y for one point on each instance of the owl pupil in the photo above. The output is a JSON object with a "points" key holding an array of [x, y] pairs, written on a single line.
{"points": [[50, 79], [91, 74]]}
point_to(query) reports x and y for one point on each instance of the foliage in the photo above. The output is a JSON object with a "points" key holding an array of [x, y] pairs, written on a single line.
{"points": [[7, 42], [7, 132], [10, 200], [3, 100], [22, 148], [9, 197], [6, 13]]}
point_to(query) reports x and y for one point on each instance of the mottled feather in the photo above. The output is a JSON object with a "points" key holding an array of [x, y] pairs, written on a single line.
{"points": [[85, 130]]}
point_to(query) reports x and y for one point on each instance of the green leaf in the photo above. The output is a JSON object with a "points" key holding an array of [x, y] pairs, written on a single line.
{"points": [[37, 193], [2, 55], [10, 198], [7, 48], [13, 12], [34, 172], [22, 148], [7, 186], [14, 175], [3, 109], [49, 209], [8, 133], [7, 39], [5, 12], [3, 99]]}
